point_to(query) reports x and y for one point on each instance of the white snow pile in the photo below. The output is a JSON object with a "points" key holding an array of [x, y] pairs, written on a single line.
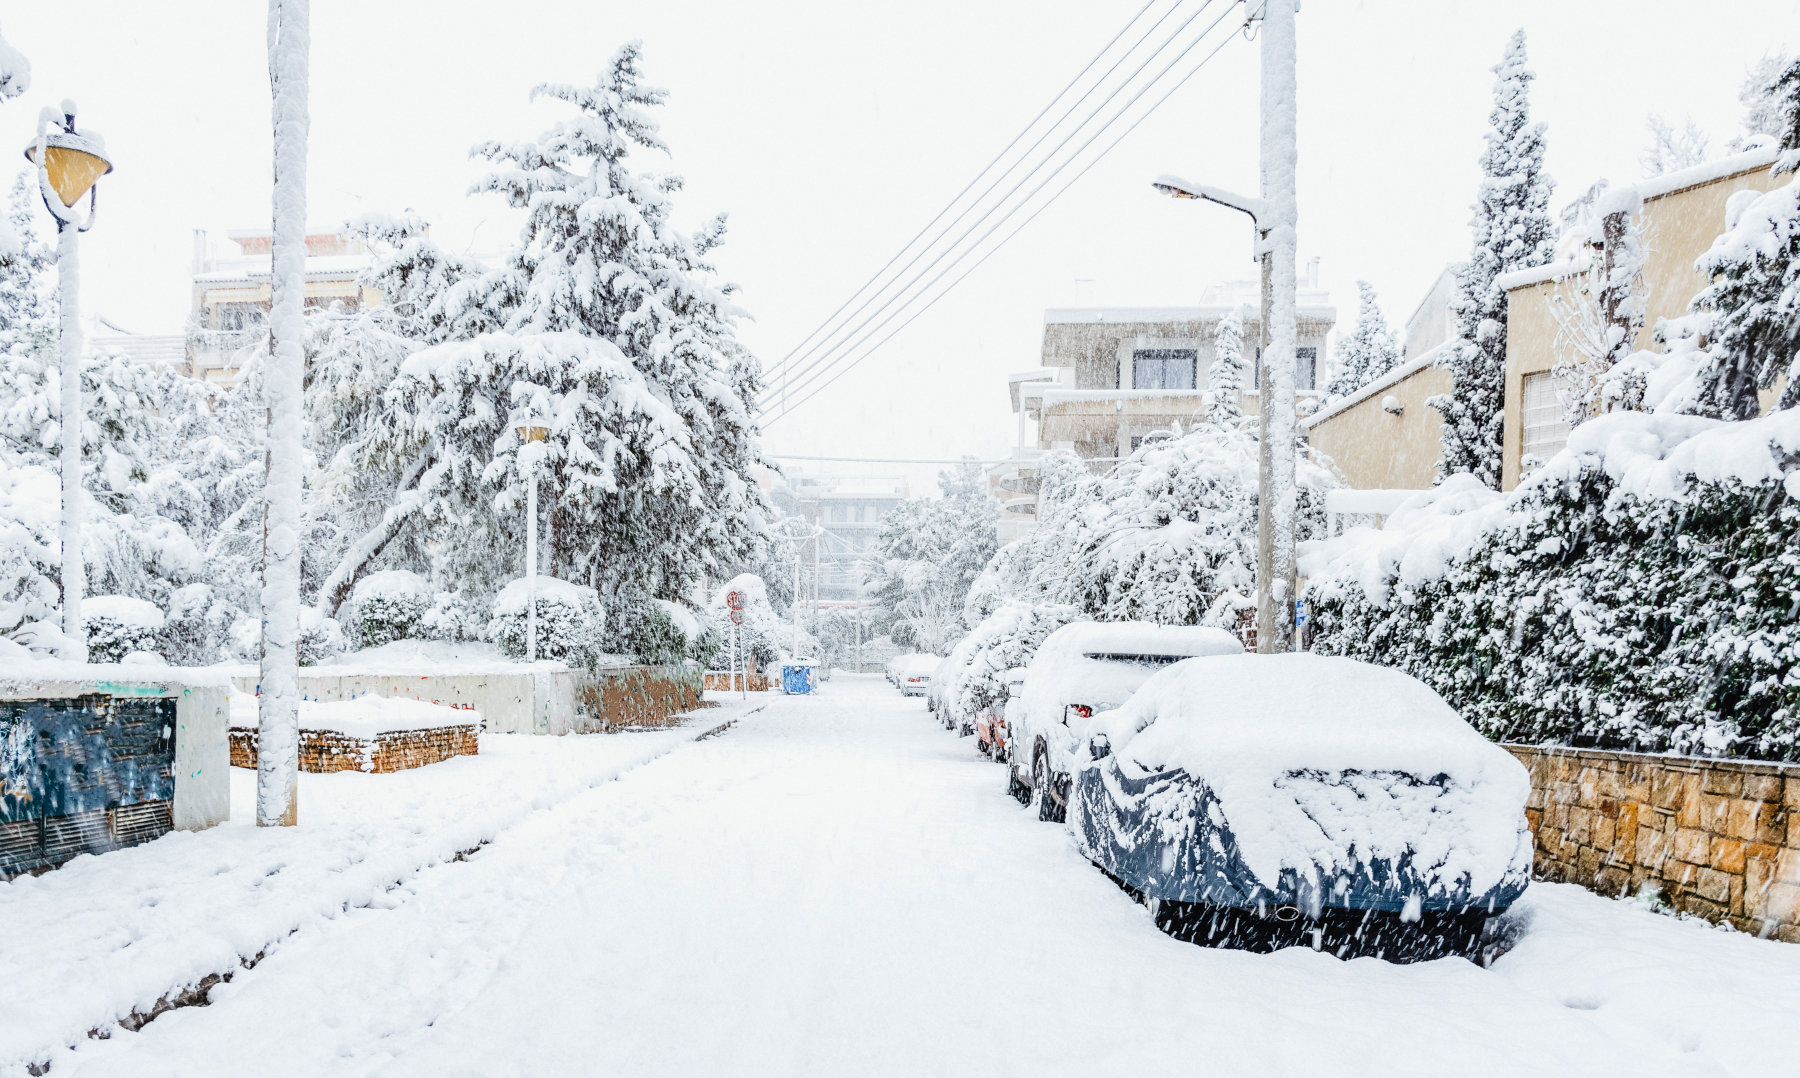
{"points": [[1318, 761], [15, 72], [1645, 455], [1087, 663], [393, 584], [368, 716], [123, 610], [682, 617]]}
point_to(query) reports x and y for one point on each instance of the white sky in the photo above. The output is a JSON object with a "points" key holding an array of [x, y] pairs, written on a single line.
{"points": [[831, 132]]}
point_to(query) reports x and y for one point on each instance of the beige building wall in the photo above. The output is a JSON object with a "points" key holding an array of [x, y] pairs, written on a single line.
{"points": [[1376, 449], [1678, 226]]}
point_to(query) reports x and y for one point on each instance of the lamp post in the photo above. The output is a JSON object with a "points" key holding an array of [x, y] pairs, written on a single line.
{"points": [[68, 164], [532, 433], [1268, 632]]}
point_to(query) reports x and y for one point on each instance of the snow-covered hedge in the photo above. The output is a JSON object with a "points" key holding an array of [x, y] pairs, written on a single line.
{"points": [[118, 625], [1639, 592], [1007, 638], [569, 621], [321, 639], [29, 510], [389, 606]]}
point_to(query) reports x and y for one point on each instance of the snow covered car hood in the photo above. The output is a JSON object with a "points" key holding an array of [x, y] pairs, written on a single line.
{"points": [[1317, 767]]}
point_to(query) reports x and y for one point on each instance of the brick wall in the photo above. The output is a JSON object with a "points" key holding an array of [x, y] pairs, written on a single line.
{"points": [[1716, 838], [323, 751], [735, 682]]}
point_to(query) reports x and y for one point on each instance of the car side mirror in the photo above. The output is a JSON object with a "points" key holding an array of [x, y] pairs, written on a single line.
{"points": [[1080, 711], [1100, 746]]}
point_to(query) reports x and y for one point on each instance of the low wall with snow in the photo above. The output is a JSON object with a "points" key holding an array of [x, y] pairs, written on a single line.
{"points": [[520, 699], [1715, 838], [323, 751]]}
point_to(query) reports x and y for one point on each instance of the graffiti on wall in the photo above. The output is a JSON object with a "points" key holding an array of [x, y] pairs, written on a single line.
{"points": [[82, 774]]}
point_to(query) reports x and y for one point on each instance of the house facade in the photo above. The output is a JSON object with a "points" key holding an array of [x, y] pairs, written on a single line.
{"points": [[232, 293]]}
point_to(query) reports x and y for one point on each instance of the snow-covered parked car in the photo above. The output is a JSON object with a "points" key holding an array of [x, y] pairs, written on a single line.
{"points": [[992, 725], [913, 674], [1081, 670], [1264, 801]]}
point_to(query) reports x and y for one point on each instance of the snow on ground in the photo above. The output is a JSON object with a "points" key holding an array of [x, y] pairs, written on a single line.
{"points": [[838, 886], [87, 944]]}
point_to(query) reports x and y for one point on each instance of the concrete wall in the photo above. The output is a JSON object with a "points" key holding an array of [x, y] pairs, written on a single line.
{"points": [[1378, 450], [1715, 838], [525, 702]]}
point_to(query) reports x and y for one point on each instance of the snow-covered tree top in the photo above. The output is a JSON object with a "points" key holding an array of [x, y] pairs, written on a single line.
{"points": [[15, 72]]}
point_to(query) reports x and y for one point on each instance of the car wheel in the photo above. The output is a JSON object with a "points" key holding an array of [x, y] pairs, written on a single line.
{"points": [[1016, 787], [1040, 787]]}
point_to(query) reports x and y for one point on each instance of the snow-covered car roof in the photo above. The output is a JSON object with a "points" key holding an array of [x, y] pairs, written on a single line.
{"points": [[1317, 759], [1100, 663]]}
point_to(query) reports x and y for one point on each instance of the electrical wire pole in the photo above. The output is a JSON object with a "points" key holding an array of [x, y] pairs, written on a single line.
{"points": [[1275, 577]]}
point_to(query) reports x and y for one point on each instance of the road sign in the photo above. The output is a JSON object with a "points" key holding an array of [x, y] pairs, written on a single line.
{"points": [[737, 615], [734, 600]]}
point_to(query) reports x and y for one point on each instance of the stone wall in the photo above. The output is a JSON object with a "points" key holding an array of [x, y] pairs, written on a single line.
{"points": [[1716, 838], [637, 696], [324, 751], [727, 683]]}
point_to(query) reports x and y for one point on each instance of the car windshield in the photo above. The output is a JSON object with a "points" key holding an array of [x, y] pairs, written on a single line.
{"points": [[1138, 660]]}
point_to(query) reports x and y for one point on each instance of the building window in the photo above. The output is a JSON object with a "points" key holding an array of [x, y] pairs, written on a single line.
{"points": [[1544, 425], [1163, 368], [1306, 369]]}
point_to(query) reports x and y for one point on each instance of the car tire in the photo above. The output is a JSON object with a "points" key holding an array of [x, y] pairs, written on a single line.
{"points": [[1040, 788], [1016, 787]]}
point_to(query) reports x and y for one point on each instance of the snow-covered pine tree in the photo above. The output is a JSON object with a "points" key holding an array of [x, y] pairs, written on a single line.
{"points": [[933, 550], [1755, 289], [1226, 380], [1513, 230], [608, 324], [1368, 353], [1672, 149], [1762, 119], [27, 273]]}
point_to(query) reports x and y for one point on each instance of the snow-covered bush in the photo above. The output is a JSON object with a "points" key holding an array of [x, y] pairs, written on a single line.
{"points": [[29, 509], [455, 615], [569, 621], [198, 627], [1161, 537], [321, 639], [118, 625], [388, 606], [763, 637], [1638, 592], [1007, 638], [651, 636]]}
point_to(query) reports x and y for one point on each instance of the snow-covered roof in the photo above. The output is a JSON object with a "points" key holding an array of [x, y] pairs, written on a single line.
{"points": [[346, 267], [1380, 385], [166, 349]]}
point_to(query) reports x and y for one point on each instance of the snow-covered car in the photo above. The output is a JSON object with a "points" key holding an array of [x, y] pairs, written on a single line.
{"points": [[991, 725], [913, 676], [1264, 801], [945, 682], [1082, 670]]}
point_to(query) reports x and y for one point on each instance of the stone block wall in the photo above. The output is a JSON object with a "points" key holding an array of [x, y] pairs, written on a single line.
{"points": [[732, 683], [1716, 838], [627, 696], [323, 751]]}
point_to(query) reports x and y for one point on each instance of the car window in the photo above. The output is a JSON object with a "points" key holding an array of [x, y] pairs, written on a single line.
{"points": [[1136, 660]]}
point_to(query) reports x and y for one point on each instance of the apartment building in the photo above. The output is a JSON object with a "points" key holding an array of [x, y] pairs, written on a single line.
{"points": [[850, 509], [1111, 376], [232, 293]]}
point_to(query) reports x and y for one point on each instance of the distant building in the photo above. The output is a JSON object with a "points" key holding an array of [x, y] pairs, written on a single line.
{"points": [[1113, 376], [850, 508], [232, 293]]}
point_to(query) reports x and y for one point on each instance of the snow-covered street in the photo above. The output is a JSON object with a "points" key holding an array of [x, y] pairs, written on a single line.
{"points": [[836, 885]]}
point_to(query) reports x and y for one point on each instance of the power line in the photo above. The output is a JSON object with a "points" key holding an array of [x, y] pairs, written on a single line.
{"points": [[846, 368], [809, 368], [973, 180]]}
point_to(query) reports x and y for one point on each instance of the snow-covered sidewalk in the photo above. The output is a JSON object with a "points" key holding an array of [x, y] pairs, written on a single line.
{"points": [[837, 886], [87, 945]]}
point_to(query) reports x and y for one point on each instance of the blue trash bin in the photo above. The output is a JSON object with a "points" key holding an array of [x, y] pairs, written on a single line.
{"points": [[797, 679]]}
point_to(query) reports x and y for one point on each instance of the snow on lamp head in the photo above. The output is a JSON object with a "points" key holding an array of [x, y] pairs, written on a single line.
{"points": [[68, 164]]}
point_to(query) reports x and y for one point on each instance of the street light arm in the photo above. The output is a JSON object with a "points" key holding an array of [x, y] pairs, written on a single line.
{"points": [[1176, 187]]}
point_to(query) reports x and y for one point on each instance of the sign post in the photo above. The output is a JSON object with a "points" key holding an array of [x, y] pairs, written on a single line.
{"points": [[734, 602]]}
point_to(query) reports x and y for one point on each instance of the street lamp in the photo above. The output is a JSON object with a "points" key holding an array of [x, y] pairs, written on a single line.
{"points": [[532, 433], [1270, 633], [68, 164]]}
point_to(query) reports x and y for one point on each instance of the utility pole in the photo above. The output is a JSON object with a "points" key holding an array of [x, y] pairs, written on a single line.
{"points": [[1276, 587]]}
